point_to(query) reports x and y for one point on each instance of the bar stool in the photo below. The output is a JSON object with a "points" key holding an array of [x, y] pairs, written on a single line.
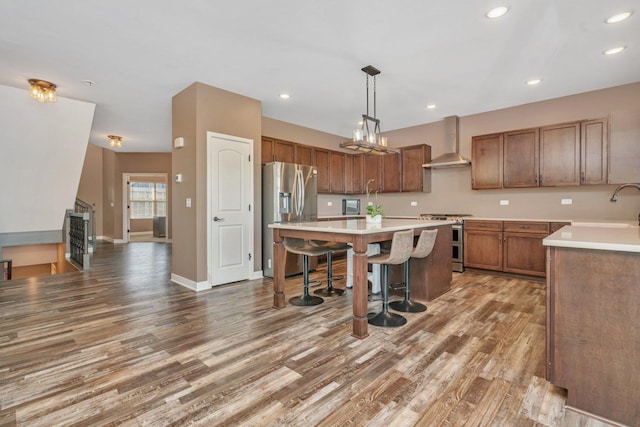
{"points": [[401, 249], [304, 248], [423, 248], [330, 291]]}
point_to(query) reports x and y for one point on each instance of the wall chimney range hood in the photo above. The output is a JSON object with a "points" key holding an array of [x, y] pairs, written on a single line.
{"points": [[453, 158]]}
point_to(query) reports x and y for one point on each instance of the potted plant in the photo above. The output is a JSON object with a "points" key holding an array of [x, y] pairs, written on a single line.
{"points": [[374, 210]]}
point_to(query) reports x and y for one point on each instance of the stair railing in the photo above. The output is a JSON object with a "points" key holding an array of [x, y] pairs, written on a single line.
{"points": [[78, 238], [84, 207], [6, 271]]}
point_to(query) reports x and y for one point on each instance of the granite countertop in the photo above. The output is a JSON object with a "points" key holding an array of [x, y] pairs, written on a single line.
{"points": [[612, 236], [360, 226]]}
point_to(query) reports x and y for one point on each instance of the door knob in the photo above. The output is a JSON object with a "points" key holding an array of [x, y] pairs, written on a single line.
{"points": [[215, 218]]}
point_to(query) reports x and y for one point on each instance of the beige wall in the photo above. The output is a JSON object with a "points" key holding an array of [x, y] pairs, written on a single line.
{"points": [[451, 188], [141, 225], [90, 189], [108, 193], [197, 109], [117, 164], [31, 254], [302, 135]]}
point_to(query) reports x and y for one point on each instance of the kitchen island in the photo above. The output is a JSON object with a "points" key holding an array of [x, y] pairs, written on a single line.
{"points": [[436, 268], [593, 319]]}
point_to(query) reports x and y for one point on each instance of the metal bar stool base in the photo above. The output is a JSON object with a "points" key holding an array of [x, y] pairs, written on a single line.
{"points": [[407, 306], [305, 300], [329, 292], [386, 319]]}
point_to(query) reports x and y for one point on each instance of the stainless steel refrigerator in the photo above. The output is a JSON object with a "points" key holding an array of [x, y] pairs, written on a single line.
{"points": [[289, 194]]}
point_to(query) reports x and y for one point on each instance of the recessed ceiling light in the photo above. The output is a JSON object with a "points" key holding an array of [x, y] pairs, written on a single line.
{"points": [[284, 96], [431, 106], [618, 17], [614, 50], [533, 82], [497, 12]]}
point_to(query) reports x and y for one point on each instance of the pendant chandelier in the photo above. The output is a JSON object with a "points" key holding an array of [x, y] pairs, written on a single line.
{"points": [[366, 139]]}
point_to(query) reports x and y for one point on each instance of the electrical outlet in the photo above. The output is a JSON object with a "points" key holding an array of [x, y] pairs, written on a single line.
{"points": [[329, 203], [566, 201], [188, 202], [504, 202], [414, 203], [369, 203]]}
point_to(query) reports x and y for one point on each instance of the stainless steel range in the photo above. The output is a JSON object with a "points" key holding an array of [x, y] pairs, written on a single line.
{"points": [[457, 239]]}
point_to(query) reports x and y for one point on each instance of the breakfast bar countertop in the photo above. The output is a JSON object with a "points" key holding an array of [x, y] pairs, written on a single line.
{"points": [[359, 226], [623, 238]]}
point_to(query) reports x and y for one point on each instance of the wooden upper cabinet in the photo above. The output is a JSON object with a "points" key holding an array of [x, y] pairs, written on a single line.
{"points": [[486, 161], [275, 150], [520, 161], [267, 150], [594, 148], [336, 172], [283, 151], [303, 154], [372, 171], [391, 173], [321, 162], [414, 176], [624, 147], [560, 155], [354, 174]]}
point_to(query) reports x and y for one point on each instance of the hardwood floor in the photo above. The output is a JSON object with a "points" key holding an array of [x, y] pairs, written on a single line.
{"points": [[122, 345]]}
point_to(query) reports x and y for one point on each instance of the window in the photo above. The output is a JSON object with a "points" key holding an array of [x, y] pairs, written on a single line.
{"points": [[148, 199]]}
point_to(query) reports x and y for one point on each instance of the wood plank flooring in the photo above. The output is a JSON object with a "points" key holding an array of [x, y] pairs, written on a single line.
{"points": [[122, 345]]}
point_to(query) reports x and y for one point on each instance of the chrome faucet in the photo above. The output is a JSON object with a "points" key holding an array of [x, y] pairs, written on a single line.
{"points": [[614, 197]]}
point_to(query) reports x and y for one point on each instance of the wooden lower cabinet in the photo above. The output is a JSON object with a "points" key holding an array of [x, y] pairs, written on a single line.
{"points": [[593, 341], [483, 244], [509, 246]]}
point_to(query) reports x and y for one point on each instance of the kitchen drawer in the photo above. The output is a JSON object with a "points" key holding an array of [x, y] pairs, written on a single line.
{"points": [[526, 227], [473, 224]]}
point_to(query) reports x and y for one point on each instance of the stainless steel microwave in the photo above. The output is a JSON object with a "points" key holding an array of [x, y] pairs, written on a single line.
{"points": [[350, 206]]}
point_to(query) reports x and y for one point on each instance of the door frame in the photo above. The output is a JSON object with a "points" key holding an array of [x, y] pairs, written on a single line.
{"points": [[126, 217], [251, 197]]}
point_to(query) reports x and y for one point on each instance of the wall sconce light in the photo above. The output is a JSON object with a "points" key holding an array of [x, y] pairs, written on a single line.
{"points": [[42, 91], [115, 141]]}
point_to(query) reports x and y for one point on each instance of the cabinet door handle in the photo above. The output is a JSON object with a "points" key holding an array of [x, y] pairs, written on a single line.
{"points": [[525, 227], [481, 226]]}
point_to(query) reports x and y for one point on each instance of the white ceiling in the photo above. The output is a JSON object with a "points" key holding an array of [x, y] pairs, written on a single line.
{"points": [[141, 53]]}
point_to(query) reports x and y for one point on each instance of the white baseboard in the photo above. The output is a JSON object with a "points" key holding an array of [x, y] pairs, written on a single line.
{"points": [[256, 275], [190, 284], [111, 240]]}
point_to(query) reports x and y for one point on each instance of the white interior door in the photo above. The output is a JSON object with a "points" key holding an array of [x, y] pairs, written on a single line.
{"points": [[230, 172]]}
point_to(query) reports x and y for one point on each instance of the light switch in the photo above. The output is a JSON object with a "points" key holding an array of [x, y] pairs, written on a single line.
{"points": [[188, 202], [178, 177], [329, 203]]}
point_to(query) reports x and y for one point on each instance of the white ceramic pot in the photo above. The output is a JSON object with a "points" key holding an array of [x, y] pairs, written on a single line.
{"points": [[374, 219]]}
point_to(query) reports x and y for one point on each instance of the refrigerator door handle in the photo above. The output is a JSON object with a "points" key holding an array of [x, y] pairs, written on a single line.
{"points": [[294, 194], [300, 192]]}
